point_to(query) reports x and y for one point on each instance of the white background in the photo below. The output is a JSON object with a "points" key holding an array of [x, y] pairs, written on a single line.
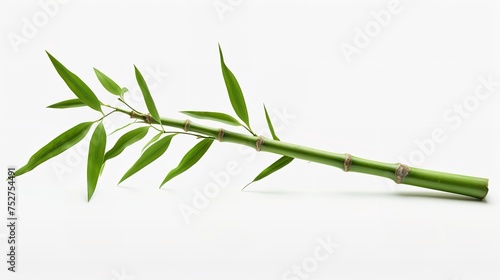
{"points": [[377, 103]]}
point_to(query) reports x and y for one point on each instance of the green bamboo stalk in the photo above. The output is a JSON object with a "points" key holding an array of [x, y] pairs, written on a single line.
{"points": [[401, 174]]}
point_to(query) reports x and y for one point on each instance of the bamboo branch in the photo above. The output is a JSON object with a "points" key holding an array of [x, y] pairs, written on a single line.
{"points": [[401, 174], [157, 146]]}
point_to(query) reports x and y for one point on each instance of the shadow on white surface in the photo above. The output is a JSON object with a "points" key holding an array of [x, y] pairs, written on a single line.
{"points": [[416, 194]]}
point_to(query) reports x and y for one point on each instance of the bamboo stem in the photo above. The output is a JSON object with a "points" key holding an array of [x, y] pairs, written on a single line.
{"points": [[453, 183]]}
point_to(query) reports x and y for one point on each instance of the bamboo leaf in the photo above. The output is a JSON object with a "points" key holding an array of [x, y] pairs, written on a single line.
{"points": [[234, 90], [126, 140], [150, 155], [214, 116], [191, 157], [108, 83], [60, 144], [77, 86], [270, 125], [277, 165], [150, 104], [95, 161], [156, 137], [70, 103]]}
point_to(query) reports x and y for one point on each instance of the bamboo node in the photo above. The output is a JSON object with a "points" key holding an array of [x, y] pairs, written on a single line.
{"points": [[186, 125], [401, 172], [220, 135], [132, 114], [347, 162], [258, 144], [148, 118]]}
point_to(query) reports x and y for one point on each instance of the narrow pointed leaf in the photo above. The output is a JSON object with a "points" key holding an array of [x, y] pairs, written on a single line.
{"points": [[234, 90], [154, 139], [60, 144], [108, 83], [270, 125], [126, 140], [277, 165], [150, 104], [70, 103], [95, 160], [77, 86], [192, 157], [214, 116], [150, 155]]}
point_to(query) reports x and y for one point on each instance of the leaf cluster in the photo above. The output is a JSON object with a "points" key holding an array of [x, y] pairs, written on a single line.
{"points": [[157, 145]]}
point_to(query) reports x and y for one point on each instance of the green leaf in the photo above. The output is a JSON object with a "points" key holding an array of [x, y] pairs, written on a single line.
{"points": [[156, 137], [71, 103], [270, 124], [150, 155], [126, 140], [192, 157], [60, 144], [214, 116], [95, 161], [108, 83], [277, 165], [77, 86], [234, 91], [150, 104]]}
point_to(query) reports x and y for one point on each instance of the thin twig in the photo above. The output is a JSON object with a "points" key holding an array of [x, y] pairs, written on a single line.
{"points": [[126, 104], [114, 111]]}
